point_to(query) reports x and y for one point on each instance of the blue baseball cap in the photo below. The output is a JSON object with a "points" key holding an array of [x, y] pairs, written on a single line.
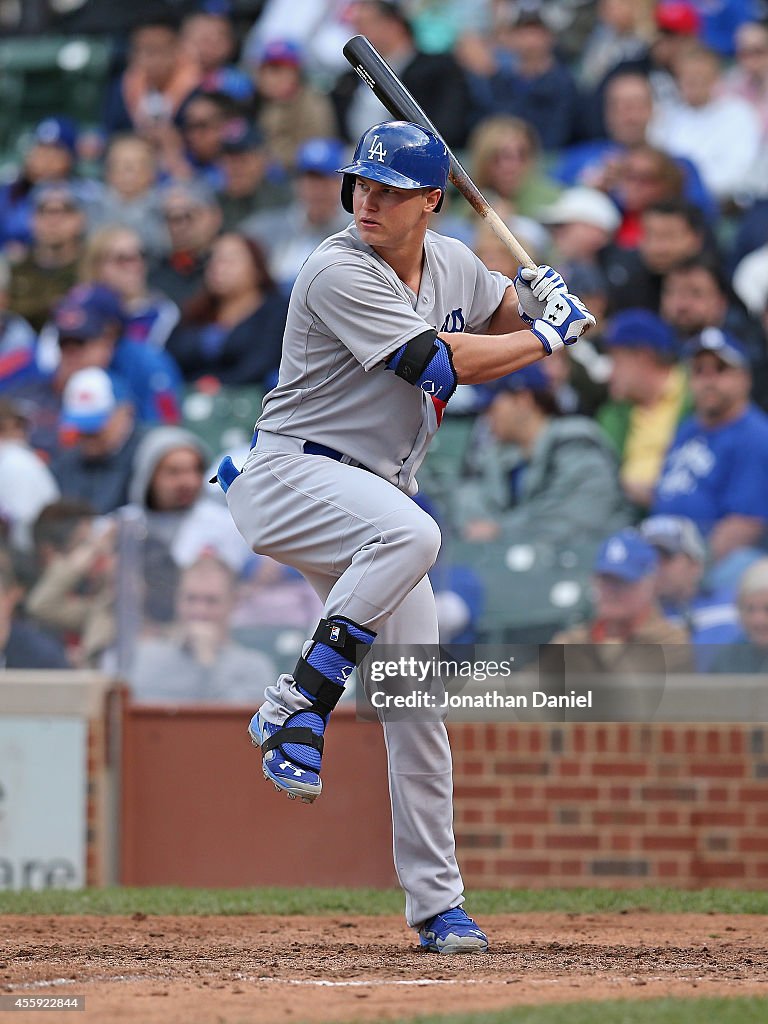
{"points": [[640, 328], [720, 344], [56, 131], [282, 51], [86, 311], [320, 156], [527, 378], [626, 555]]}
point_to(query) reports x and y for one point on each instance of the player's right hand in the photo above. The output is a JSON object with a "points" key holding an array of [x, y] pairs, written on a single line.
{"points": [[564, 321], [533, 288]]}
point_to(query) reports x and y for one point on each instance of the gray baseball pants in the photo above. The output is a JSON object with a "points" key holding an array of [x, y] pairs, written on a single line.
{"points": [[365, 547]]}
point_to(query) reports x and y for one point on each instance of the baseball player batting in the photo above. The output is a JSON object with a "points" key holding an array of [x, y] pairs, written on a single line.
{"points": [[385, 319]]}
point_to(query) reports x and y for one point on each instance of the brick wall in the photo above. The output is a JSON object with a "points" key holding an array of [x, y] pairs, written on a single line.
{"points": [[616, 804]]}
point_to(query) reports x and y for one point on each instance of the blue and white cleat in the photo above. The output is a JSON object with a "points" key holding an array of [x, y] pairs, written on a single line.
{"points": [[280, 765], [453, 931]]}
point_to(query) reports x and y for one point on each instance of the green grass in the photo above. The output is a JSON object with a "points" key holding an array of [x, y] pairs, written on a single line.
{"points": [[744, 1010], [174, 900]]}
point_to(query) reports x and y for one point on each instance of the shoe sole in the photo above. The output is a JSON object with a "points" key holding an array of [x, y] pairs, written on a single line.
{"points": [[294, 790], [458, 945]]}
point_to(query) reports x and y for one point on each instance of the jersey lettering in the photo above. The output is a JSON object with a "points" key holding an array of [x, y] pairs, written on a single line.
{"points": [[454, 322], [377, 151]]}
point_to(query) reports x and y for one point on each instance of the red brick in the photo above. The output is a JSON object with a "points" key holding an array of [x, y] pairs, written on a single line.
{"points": [[472, 815], [524, 816], [717, 794], [462, 792], [524, 841], [620, 793], [571, 769], [522, 768], [621, 843], [473, 768], [524, 867], [667, 869], [736, 819], [757, 794], [474, 866], [563, 792], [601, 740], [712, 742], [761, 819], [619, 769], [523, 792], [736, 741], [717, 869], [668, 818], [618, 817], [753, 844], [668, 841], [572, 842], [691, 741], [579, 734], [658, 793], [668, 741], [513, 739], [491, 738], [535, 741], [719, 769]]}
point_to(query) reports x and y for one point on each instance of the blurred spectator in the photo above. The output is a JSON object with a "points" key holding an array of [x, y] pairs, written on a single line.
{"points": [[504, 157], [629, 633], [709, 615], [583, 222], [193, 218], [720, 134], [319, 27], [51, 156], [95, 466], [208, 36], [26, 483], [289, 235], [233, 329], [17, 339], [748, 78], [181, 519], [74, 593], [159, 76], [545, 477], [750, 654], [670, 233], [434, 79], [716, 469], [290, 110], [620, 34], [720, 20], [487, 245], [130, 198], [247, 187], [627, 110], [695, 294], [40, 279], [649, 397], [647, 177], [520, 74], [89, 322], [201, 121], [114, 257], [22, 644], [198, 662]]}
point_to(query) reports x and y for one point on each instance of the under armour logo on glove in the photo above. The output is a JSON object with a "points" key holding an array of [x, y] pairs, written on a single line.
{"points": [[565, 320]]}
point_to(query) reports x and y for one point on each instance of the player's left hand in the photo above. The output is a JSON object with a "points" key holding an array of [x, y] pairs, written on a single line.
{"points": [[565, 319], [533, 288]]}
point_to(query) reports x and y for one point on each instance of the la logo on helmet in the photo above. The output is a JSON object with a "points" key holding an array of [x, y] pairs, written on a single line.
{"points": [[377, 151]]}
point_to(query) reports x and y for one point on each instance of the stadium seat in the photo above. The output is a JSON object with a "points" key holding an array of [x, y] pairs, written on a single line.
{"points": [[222, 417], [531, 589], [42, 75]]}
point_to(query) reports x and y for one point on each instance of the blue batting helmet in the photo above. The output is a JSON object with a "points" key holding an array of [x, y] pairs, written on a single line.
{"points": [[398, 153]]}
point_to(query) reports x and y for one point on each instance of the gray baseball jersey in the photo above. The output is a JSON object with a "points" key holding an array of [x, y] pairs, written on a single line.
{"points": [[348, 312]]}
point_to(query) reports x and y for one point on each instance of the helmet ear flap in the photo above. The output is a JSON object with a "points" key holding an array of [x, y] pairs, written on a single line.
{"points": [[347, 188]]}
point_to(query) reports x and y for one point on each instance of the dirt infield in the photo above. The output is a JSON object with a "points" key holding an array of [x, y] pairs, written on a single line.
{"points": [[229, 970]]}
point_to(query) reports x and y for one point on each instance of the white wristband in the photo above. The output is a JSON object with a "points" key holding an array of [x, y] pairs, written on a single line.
{"points": [[548, 336]]}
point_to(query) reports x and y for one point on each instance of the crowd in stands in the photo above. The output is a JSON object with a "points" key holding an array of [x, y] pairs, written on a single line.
{"points": [[146, 259]]}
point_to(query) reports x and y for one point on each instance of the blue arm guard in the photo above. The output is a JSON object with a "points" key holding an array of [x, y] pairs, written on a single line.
{"points": [[426, 362]]}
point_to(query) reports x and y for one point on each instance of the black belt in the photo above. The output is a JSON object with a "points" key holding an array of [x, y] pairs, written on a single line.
{"points": [[314, 448]]}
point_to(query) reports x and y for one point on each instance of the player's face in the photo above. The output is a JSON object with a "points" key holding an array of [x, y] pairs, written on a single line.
{"points": [[389, 217]]}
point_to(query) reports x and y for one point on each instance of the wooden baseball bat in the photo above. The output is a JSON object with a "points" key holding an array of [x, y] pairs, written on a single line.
{"points": [[379, 76]]}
